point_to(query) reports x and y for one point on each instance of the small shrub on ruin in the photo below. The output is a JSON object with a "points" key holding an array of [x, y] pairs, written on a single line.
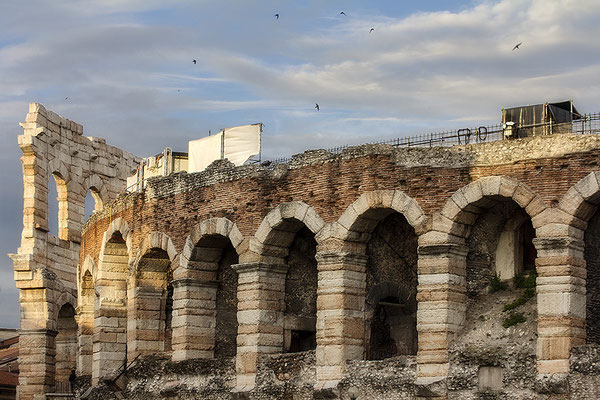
{"points": [[496, 284], [514, 319]]}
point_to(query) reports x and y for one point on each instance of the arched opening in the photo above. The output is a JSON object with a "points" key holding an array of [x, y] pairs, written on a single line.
{"points": [[148, 331], [93, 203], [110, 316], [500, 273], [215, 255], [592, 283], [300, 313], [515, 252], [66, 346], [391, 288]]}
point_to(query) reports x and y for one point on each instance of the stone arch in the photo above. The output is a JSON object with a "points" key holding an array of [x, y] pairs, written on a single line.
{"points": [[210, 227], [98, 189], [345, 254], [86, 297], [278, 229], [57, 167], [462, 209], [150, 296], [66, 343], [205, 280], [363, 215], [450, 252], [64, 298], [155, 240], [118, 225], [110, 308]]}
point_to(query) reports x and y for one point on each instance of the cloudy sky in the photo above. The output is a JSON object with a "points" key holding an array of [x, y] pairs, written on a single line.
{"points": [[126, 68]]}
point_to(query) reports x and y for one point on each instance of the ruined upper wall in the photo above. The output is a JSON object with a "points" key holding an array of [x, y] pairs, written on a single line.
{"points": [[54, 146]]}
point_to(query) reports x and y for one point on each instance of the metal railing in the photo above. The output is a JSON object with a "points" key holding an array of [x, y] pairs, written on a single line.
{"points": [[587, 124]]}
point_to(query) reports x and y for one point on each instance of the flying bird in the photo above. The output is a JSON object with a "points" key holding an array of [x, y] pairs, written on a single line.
{"points": [[277, 16], [317, 106], [517, 46], [194, 61], [371, 30], [342, 13], [67, 98]]}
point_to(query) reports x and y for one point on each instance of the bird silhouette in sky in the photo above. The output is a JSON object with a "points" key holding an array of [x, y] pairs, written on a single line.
{"points": [[342, 13], [194, 61], [277, 16], [317, 106], [517, 46], [67, 98], [371, 30]]}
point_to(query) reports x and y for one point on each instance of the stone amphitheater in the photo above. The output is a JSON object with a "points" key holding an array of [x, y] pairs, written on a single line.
{"points": [[463, 272]]}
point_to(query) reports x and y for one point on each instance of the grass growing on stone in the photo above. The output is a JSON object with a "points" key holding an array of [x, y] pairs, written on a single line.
{"points": [[497, 285], [514, 319], [525, 281], [528, 294]]}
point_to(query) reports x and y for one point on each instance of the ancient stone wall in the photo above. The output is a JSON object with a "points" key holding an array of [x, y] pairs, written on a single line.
{"points": [[56, 153], [413, 226]]}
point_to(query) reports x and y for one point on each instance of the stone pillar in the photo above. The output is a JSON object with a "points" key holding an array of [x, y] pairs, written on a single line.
{"points": [[85, 330], [37, 350], [194, 318], [146, 323], [441, 297], [109, 339], [340, 314], [261, 294], [561, 301]]}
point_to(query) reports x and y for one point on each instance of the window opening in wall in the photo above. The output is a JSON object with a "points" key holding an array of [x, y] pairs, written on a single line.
{"points": [[302, 341], [90, 205], [53, 207]]}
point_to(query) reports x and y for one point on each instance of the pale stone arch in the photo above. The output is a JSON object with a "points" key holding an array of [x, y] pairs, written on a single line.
{"points": [[111, 300], [210, 227], [362, 216], [64, 298], [89, 265], [278, 228], [209, 251], [461, 210], [118, 225], [57, 167], [150, 296], [96, 186], [154, 240]]}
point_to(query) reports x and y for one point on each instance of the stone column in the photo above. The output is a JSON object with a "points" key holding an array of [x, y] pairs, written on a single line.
{"points": [[561, 301], [261, 293], [441, 297], [37, 350], [146, 325], [85, 330], [109, 339], [340, 314], [194, 318]]}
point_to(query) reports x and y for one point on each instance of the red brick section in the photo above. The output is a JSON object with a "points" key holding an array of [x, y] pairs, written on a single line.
{"points": [[329, 188]]}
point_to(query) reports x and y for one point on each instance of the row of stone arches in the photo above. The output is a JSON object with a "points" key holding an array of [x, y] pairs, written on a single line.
{"points": [[384, 279]]}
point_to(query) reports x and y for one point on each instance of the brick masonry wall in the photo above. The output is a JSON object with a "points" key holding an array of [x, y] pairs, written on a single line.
{"points": [[329, 184]]}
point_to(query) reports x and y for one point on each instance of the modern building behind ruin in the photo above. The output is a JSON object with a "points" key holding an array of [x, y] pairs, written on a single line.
{"points": [[363, 274]]}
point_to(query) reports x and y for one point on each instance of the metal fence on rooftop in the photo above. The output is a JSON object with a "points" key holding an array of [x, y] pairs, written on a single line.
{"points": [[587, 124]]}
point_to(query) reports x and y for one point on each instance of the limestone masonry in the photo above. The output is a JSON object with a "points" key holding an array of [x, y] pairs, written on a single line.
{"points": [[380, 272]]}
